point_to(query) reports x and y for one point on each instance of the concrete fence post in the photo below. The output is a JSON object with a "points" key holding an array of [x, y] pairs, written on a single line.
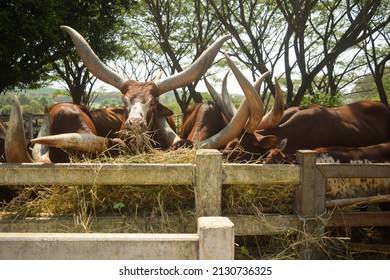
{"points": [[216, 238], [208, 182]]}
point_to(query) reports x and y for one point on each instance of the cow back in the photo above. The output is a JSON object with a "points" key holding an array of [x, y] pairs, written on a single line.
{"points": [[201, 121], [108, 121]]}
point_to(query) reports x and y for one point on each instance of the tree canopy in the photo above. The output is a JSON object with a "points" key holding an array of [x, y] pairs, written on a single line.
{"points": [[34, 49], [29, 33], [315, 47]]}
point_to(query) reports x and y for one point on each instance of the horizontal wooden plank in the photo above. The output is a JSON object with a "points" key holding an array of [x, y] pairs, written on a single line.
{"points": [[96, 174], [102, 224], [359, 219], [369, 248], [267, 174], [375, 170], [357, 200]]}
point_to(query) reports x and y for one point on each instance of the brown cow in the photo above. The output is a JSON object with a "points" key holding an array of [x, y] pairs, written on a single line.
{"points": [[202, 120], [355, 125], [144, 112], [359, 124], [141, 98], [378, 153], [108, 121], [63, 118]]}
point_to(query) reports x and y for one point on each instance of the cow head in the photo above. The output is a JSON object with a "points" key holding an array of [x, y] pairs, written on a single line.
{"points": [[141, 98]]}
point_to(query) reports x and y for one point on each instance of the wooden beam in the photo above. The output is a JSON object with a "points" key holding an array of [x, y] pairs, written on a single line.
{"points": [[95, 174], [359, 219], [267, 174]]}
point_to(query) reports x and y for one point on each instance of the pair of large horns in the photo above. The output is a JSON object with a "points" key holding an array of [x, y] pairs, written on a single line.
{"points": [[107, 75], [250, 114]]}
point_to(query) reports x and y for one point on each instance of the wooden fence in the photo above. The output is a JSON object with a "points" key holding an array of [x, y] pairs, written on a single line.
{"points": [[209, 173], [32, 124]]}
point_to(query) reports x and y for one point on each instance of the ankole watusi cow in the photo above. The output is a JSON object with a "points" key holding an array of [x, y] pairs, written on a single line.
{"points": [[214, 124], [355, 125], [144, 112], [203, 120], [94, 132]]}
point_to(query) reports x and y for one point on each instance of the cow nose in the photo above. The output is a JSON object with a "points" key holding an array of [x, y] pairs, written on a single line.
{"points": [[134, 123]]}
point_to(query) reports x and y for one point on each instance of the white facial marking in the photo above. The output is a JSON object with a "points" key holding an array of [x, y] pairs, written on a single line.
{"points": [[137, 113]]}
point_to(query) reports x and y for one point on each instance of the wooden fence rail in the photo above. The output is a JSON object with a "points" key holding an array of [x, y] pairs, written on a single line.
{"points": [[208, 174], [32, 124]]}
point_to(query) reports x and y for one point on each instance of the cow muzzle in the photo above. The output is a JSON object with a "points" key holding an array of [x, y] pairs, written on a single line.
{"points": [[135, 124]]}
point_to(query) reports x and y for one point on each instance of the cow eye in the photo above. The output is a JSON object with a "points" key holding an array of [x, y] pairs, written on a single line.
{"points": [[149, 102]]}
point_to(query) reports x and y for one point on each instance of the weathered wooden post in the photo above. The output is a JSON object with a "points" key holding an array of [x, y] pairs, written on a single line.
{"points": [[216, 238], [310, 205], [208, 182], [29, 127]]}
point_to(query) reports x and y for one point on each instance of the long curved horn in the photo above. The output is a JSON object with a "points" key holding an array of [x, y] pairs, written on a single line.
{"points": [[76, 141], [229, 132], [226, 98], [168, 134], [194, 71], [235, 126], [255, 104], [217, 99], [15, 141], [93, 63], [257, 84], [273, 117]]}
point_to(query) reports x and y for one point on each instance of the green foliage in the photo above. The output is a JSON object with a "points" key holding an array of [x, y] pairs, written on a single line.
{"points": [[323, 99], [27, 62], [365, 88], [35, 101], [29, 30]]}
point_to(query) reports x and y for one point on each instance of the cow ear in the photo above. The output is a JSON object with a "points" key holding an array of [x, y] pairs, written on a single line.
{"points": [[164, 111], [267, 142], [282, 145]]}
